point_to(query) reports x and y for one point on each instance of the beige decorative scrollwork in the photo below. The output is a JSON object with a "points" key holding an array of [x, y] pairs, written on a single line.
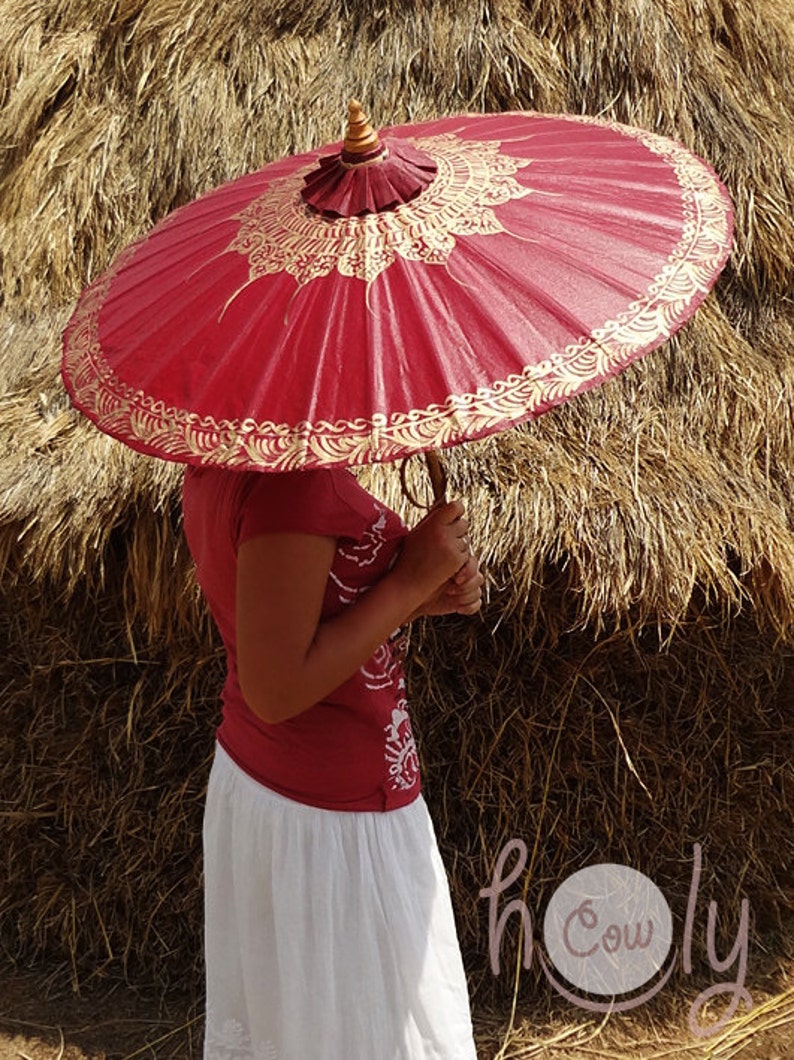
{"points": [[276, 233]]}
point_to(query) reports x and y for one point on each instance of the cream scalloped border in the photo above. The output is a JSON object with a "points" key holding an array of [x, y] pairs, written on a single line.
{"points": [[178, 434]]}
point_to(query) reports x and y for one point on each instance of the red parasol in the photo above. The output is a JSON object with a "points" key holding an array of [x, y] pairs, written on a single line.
{"points": [[443, 282]]}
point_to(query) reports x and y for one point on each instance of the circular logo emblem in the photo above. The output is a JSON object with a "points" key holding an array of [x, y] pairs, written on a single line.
{"points": [[608, 929]]}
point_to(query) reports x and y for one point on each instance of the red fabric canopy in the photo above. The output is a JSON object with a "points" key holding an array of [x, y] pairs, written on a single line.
{"points": [[544, 255]]}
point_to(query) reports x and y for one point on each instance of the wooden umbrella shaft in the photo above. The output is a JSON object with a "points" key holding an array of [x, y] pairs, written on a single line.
{"points": [[438, 476]]}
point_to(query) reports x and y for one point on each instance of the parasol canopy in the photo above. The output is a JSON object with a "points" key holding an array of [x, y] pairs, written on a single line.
{"points": [[399, 292]]}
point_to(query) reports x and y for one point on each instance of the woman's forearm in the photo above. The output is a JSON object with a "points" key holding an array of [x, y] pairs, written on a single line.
{"points": [[340, 646], [288, 657]]}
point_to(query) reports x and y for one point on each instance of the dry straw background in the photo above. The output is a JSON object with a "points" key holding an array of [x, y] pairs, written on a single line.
{"points": [[629, 688]]}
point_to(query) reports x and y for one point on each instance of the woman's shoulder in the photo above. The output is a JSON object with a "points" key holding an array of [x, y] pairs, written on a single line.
{"points": [[372, 509], [248, 486], [325, 501]]}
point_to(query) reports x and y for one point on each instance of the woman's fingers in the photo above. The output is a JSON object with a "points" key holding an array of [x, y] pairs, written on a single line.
{"points": [[469, 569], [469, 595], [468, 603], [469, 592], [464, 591], [435, 549]]}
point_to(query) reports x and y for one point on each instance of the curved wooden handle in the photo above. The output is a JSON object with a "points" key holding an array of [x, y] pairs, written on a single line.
{"points": [[438, 476]]}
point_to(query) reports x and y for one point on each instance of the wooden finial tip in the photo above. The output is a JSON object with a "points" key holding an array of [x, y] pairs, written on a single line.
{"points": [[361, 137]]}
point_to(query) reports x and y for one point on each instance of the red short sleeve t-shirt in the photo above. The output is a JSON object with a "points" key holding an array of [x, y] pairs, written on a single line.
{"points": [[354, 750]]}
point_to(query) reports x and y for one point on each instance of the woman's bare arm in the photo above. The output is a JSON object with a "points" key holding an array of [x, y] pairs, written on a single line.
{"points": [[287, 659]]}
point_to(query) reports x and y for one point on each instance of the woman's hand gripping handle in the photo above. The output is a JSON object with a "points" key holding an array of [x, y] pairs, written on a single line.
{"points": [[437, 556]]}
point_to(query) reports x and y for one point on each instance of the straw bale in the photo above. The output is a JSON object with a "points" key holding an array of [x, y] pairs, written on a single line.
{"points": [[626, 748], [628, 690], [138, 115]]}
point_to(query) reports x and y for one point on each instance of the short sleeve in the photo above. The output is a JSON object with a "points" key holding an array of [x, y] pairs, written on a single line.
{"points": [[299, 502]]}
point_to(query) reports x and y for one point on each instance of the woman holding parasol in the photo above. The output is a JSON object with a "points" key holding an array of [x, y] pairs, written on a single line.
{"points": [[404, 294], [323, 886]]}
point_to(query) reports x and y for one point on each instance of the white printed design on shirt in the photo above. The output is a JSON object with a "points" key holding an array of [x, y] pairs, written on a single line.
{"points": [[401, 754], [381, 671], [363, 553], [384, 669]]}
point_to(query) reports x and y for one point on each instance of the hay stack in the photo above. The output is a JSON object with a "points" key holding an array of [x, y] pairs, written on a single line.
{"points": [[628, 690]]}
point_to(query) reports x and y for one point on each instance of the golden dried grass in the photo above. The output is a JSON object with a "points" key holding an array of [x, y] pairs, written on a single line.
{"points": [[629, 689]]}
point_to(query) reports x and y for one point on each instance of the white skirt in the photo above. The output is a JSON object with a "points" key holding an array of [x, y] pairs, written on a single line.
{"points": [[329, 934]]}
